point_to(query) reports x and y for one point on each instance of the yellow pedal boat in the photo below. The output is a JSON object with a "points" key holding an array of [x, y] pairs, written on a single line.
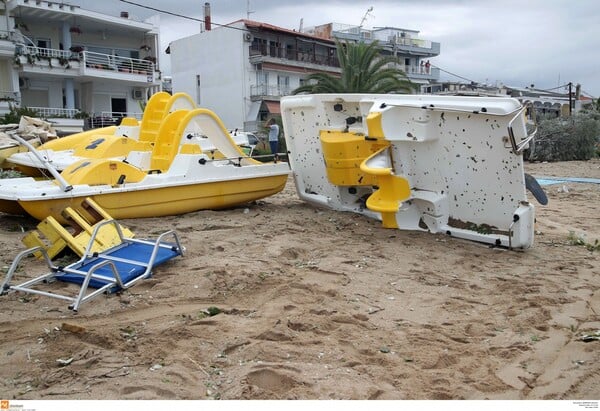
{"points": [[176, 177]]}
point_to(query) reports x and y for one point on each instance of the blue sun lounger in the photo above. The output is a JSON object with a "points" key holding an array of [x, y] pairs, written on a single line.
{"points": [[114, 269]]}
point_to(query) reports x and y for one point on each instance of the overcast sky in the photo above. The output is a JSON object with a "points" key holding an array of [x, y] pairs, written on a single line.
{"points": [[514, 42]]}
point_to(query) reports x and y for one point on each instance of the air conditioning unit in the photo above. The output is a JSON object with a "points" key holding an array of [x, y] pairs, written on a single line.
{"points": [[248, 37], [23, 83], [137, 94]]}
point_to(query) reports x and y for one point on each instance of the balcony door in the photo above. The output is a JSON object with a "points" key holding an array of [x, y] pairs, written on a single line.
{"points": [[118, 106], [44, 45]]}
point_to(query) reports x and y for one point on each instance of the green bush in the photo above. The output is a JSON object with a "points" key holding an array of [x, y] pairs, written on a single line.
{"points": [[15, 113], [565, 139]]}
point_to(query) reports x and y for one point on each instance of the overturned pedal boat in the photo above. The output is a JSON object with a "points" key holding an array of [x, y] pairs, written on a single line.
{"points": [[176, 177], [443, 164]]}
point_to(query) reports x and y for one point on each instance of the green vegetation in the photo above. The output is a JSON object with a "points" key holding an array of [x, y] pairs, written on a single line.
{"points": [[15, 113], [575, 239], [564, 139], [364, 70]]}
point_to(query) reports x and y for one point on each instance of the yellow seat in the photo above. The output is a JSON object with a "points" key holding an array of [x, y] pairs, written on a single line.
{"points": [[344, 152]]}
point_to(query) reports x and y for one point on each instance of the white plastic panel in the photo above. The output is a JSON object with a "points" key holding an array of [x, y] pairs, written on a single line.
{"points": [[454, 151]]}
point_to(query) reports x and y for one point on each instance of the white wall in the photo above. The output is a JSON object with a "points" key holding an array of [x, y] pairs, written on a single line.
{"points": [[219, 56]]}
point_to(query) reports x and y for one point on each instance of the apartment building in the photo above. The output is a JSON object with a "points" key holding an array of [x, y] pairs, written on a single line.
{"points": [[65, 61], [412, 53], [242, 70]]}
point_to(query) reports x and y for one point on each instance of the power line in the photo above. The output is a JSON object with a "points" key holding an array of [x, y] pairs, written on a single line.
{"points": [[555, 88], [453, 74], [181, 15]]}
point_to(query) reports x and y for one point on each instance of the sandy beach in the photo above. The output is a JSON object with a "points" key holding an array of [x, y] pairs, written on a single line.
{"points": [[318, 304]]}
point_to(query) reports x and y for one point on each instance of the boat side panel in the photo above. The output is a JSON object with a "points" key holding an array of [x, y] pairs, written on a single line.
{"points": [[453, 151]]}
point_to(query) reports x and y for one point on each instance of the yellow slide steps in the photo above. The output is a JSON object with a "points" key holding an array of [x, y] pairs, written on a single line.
{"points": [[392, 189], [53, 237]]}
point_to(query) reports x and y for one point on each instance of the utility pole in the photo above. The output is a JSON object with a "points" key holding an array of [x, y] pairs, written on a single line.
{"points": [[570, 98]]}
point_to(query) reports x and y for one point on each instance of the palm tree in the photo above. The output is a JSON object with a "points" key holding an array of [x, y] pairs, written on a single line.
{"points": [[363, 71]]}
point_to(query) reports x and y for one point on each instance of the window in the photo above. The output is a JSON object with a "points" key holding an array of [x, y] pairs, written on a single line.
{"points": [[262, 77], [198, 89], [262, 82], [283, 85]]}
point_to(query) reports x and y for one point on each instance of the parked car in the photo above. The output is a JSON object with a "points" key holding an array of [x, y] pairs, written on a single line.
{"points": [[245, 139]]}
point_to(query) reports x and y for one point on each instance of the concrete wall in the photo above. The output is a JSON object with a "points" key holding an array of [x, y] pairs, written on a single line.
{"points": [[220, 58]]}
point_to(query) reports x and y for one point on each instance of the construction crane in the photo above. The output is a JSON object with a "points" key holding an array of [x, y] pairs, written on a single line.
{"points": [[362, 22]]}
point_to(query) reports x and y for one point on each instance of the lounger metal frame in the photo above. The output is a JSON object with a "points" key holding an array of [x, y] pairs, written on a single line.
{"points": [[105, 259]]}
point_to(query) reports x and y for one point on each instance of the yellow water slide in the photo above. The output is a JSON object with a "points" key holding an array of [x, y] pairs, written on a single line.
{"points": [[212, 126], [157, 109], [168, 141], [392, 189]]}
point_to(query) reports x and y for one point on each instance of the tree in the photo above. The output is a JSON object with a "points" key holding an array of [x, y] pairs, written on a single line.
{"points": [[364, 70]]}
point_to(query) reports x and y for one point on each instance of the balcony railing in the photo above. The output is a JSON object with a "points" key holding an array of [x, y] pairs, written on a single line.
{"points": [[263, 90], [307, 55], [90, 60], [46, 112], [10, 96], [116, 63], [109, 118]]}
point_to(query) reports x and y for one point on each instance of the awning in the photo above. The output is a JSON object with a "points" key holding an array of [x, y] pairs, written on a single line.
{"points": [[273, 107], [253, 112]]}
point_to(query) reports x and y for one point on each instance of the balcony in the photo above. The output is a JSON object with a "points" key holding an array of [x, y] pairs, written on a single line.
{"points": [[68, 63], [414, 72], [315, 59], [264, 91], [7, 47], [9, 99], [413, 46]]}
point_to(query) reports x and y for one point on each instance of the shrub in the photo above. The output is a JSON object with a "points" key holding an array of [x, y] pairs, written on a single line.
{"points": [[564, 139], [15, 113]]}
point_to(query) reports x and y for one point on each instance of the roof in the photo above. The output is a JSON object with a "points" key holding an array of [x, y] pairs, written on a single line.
{"points": [[265, 26]]}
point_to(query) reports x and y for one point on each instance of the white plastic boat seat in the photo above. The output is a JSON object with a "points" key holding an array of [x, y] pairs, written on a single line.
{"points": [[114, 269], [398, 124]]}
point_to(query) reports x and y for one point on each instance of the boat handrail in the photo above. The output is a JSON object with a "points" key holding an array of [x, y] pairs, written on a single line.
{"points": [[518, 148], [433, 107], [239, 158], [61, 181]]}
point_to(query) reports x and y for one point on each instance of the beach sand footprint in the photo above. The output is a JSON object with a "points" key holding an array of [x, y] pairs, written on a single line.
{"points": [[275, 383]]}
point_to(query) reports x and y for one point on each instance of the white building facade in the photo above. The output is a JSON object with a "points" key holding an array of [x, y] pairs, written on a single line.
{"points": [[241, 71], [64, 61]]}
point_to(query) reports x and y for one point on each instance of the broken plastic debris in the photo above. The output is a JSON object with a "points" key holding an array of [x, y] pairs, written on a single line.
{"points": [[62, 362], [591, 337]]}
